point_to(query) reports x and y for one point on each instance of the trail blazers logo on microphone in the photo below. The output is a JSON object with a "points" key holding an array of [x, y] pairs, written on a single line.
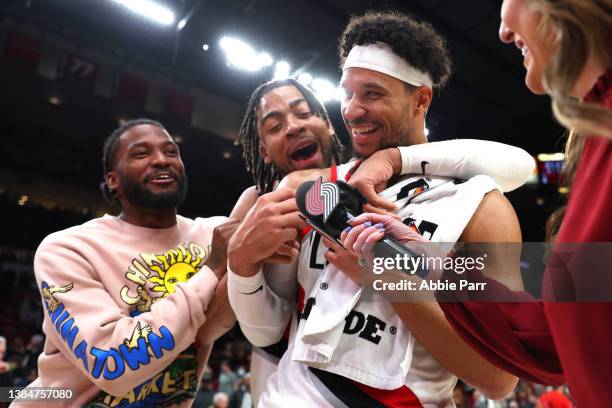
{"points": [[322, 198]]}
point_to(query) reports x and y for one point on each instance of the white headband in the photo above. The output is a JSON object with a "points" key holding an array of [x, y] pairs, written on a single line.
{"points": [[379, 57]]}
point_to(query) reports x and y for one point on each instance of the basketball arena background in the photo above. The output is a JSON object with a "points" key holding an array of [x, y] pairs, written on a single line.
{"points": [[73, 70]]}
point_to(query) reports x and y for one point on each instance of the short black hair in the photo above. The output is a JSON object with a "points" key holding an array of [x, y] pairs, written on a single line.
{"points": [[265, 175], [415, 41], [109, 152]]}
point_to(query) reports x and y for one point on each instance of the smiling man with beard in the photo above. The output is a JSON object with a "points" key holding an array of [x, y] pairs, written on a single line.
{"points": [[131, 293], [171, 188], [345, 350]]}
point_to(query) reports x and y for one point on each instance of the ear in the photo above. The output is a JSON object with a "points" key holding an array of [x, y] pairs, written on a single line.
{"points": [[264, 154], [330, 128], [423, 95], [112, 181]]}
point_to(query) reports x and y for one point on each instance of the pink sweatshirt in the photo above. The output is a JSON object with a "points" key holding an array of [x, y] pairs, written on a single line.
{"points": [[123, 305]]}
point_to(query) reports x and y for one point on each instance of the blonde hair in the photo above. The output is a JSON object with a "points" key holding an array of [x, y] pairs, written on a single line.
{"points": [[580, 29]]}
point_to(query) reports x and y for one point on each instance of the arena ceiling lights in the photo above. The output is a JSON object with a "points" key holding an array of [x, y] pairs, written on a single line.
{"points": [[282, 70], [545, 157], [150, 10], [242, 56], [324, 89]]}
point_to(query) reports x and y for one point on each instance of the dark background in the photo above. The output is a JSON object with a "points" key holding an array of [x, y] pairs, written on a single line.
{"points": [[107, 64]]}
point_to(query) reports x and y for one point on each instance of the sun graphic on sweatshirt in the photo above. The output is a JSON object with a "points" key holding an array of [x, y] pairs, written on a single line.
{"points": [[175, 266]]}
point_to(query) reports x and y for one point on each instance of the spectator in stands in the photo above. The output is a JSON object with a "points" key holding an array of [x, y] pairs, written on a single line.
{"points": [[6, 368], [206, 391], [227, 378], [554, 398], [241, 398], [459, 397], [33, 350], [220, 400]]}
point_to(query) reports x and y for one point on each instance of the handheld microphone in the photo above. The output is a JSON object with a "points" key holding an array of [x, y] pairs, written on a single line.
{"points": [[327, 208]]}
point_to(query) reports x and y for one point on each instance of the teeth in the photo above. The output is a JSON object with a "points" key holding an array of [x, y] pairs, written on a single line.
{"points": [[162, 177], [364, 130]]}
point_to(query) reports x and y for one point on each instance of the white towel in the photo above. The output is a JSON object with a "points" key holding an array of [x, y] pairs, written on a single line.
{"points": [[323, 343], [326, 321]]}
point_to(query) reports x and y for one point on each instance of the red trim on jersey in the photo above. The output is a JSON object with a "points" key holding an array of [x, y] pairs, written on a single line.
{"points": [[304, 232], [286, 333], [300, 298], [401, 397], [352, 169], [333, 173]]}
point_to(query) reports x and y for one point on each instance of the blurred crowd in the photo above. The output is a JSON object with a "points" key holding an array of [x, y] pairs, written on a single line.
{"points": [[226, 380], [18, 361], [525, 395]]}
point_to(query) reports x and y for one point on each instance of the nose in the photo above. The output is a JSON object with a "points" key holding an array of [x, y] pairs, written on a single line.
{"points": [[295, 126], [352, 109], [505, 34], [159, 158]]}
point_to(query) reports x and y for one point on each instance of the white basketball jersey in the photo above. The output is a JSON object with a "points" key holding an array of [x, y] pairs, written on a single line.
{"points": [[363, 369]]}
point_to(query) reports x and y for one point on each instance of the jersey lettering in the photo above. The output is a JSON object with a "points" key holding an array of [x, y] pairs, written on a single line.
{"points": [[314, 252], [426, 228]]}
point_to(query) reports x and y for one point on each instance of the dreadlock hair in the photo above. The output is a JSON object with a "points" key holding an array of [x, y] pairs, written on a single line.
{"points": [[265, 175], [109, 152]]}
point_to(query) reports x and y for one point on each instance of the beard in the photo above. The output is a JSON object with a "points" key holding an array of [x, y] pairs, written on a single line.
{"points": [[402, 134], [139, 196], [404, 137], [328, 150]]}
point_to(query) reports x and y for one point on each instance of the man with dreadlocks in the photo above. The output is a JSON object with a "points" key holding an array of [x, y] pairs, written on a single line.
{"points": [[285, 128], [343, 350]]}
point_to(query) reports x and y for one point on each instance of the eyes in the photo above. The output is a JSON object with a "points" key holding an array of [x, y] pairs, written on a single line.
{"points": [[143, 152], [373, 94], [366, 94], [274, 125]]}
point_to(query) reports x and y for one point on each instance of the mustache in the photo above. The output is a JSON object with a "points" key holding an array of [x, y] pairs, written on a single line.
{"points": [[363, 121], [168, 171]]}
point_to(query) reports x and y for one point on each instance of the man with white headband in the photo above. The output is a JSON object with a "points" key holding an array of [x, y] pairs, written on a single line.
{"points": [[381, 58], [345, 350]]}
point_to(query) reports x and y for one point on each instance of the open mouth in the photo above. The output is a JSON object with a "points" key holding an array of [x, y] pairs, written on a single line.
{"points": [[521, 46], [161, 178], [305, 152], [364, 130], [364, 134]]}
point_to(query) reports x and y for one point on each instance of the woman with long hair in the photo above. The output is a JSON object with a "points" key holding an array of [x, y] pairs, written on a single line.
{"points": [[567, 55]]}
